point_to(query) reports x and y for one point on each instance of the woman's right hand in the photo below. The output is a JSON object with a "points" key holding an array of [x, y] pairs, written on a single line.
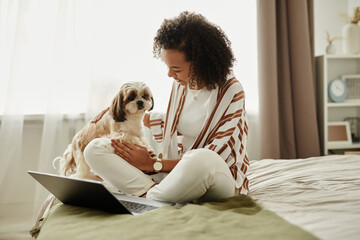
{"points": [[146, 120]]}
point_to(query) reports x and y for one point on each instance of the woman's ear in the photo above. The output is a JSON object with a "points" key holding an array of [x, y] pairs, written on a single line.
{"points": [[116, 108]]}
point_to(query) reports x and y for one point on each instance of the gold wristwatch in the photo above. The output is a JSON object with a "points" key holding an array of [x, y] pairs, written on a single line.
{"points": [[158, 166]]}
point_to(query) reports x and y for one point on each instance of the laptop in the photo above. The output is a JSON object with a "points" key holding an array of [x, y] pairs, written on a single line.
{"points": [[94, 194]]}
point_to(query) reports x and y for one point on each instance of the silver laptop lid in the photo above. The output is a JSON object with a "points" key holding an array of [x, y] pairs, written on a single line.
{"points": [[91, 194]]}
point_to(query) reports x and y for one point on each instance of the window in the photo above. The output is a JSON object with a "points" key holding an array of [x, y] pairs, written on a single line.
{"points": [[72, 56]]}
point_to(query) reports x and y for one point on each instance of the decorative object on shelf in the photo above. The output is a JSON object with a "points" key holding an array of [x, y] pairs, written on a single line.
{"points": [[339, 133], [337, 90], [351, 33], [352, 153], [354, 128], [330, 48], [353, 85]]}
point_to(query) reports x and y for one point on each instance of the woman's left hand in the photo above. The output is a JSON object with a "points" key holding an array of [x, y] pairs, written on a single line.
{"points": [[136, 155]]}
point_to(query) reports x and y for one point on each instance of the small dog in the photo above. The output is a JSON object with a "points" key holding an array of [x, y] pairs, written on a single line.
{"points": [[122, 120]]}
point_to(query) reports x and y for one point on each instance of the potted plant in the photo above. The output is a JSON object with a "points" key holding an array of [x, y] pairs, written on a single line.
{"points": [[330, 48], [351, 34]]}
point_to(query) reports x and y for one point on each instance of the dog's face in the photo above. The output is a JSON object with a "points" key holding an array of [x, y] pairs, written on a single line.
{"points": [[133, 98]]}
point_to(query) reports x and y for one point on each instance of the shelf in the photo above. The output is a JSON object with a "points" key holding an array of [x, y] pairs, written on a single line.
{"points": [[343, 146], [345, 104], [342, 56], [329, 67]]}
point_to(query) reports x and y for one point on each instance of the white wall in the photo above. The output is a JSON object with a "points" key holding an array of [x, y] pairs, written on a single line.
{"points": [[326, 18], [352, 4]]}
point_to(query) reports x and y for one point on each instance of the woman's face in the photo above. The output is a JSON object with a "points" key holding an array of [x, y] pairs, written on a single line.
{"points": [[179, 68]]}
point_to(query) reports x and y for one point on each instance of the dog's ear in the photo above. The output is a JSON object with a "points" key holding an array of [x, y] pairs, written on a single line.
{"points": [[116, 108], [152, 103]]}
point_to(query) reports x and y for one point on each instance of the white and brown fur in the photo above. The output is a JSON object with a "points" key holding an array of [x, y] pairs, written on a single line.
{"points": [[122, 120]]}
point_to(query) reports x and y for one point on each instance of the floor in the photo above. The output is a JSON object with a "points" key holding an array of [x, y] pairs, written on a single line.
{"points": [[15, 221]]}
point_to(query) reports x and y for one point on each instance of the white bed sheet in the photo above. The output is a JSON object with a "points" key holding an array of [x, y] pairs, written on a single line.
{"points": [[319, 194]]}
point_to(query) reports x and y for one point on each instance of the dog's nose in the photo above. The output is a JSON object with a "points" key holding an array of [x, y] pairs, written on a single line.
{"points": [[140, 104]]}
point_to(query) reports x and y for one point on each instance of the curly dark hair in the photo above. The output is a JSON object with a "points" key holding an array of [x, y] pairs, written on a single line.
{"points": [[204, 44]]}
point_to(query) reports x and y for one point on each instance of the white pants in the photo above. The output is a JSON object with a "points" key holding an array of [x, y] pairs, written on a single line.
{"points": [[201, 175]]}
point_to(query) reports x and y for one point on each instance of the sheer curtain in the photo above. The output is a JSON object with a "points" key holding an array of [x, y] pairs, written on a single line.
{"points": [[62, 61]]}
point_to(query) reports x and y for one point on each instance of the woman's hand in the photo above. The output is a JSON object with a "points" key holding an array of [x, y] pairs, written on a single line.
{"points": [[146, 120], [136, 155]]}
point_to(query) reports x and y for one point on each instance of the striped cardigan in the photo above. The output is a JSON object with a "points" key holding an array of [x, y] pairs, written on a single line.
{"points": [[225, 131]]}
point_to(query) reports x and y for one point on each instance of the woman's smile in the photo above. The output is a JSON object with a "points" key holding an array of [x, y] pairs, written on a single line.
{"points": [[179, 68]]}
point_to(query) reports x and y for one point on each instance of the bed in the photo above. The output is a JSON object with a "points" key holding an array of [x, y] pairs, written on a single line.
{"points": [[312, 198]]}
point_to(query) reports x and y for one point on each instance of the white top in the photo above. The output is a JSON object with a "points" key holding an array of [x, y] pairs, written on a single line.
{"points": [[224, 131], [193, 115]]}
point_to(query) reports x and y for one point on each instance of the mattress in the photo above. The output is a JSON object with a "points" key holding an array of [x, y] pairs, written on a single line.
{"points": [[320, 194], [289, 199]]}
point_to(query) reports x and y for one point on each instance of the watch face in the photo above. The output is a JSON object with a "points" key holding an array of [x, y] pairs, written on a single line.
{"points": [[158, 166]]}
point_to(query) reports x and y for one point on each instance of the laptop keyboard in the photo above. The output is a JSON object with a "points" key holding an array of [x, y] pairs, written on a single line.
{"points": [[137, 208]]}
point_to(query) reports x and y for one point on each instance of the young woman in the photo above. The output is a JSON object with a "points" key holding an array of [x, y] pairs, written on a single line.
{"points": [[204, 131]]}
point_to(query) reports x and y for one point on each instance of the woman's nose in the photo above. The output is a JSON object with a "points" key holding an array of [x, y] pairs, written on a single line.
{"points": [[171, 73]]}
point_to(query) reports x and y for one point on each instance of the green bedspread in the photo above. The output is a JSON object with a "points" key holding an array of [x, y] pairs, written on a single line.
{"points": [[233, 218]]}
